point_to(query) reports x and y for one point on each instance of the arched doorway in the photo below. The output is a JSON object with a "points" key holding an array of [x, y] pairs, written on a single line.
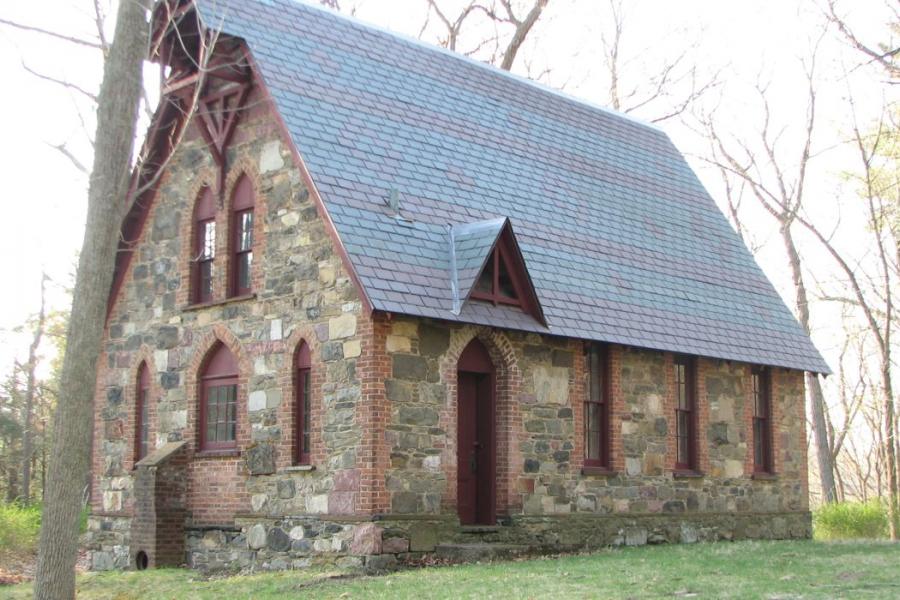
{"points": [[476, 436]]}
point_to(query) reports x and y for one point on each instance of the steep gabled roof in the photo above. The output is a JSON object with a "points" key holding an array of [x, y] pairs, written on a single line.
{"points": [[622, 242]]}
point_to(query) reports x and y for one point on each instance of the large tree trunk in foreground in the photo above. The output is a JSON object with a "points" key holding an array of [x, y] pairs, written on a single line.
{"points": [[70, 458]]}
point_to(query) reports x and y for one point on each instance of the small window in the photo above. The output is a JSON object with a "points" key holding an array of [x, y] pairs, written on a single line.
{"points": [[204, 247], [496, 283], [685, 414], [302, 403], [242, 241], [596, 410], [142, 414], [762, 420], [218, 401]]}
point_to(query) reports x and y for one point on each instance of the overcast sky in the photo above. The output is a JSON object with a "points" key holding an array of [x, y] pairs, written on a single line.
{"points": [[44, 195]]}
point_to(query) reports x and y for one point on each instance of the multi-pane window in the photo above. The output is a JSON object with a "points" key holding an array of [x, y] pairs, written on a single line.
{"points": [[302, 403], [142, 414], [596, 410], [762, 414], [242, 237], [218, 401], [685, 414], [204, 249], [243, 251]]}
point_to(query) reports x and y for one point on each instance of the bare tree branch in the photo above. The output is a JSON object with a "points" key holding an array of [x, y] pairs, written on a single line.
{"points": [[53, 34]]}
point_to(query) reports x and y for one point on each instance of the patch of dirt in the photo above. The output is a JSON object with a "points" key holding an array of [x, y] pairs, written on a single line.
{"points": [[20, 568]]}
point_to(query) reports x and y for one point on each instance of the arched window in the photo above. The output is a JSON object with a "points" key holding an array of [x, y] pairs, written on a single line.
{"points": [[142, 414], [242, 237], [218, 400], [204, 247], [302, 397]]}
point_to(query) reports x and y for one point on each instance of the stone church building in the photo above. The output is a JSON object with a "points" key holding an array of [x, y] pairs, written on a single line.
{"points": [[374, 299]]}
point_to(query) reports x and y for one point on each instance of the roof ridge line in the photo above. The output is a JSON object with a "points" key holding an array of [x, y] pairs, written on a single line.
{"points": [[489, 67]]}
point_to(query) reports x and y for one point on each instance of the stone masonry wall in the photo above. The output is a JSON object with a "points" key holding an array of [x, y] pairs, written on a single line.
{"points": [[301, 293], [541, 383]]}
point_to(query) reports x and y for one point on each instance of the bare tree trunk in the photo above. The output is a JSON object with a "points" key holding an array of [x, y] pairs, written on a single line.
{"points": [[70, 458], [27, 425], [813, 385]]}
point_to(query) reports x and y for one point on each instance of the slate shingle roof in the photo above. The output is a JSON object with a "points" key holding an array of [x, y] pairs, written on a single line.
{"points": [[621, 240]]}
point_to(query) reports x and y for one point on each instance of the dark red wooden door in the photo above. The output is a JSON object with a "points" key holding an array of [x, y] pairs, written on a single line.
{"points": [[475, 437]]}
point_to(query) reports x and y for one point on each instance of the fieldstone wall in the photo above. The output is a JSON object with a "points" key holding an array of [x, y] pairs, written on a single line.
{"points": [[302, 292], [541, 382]]}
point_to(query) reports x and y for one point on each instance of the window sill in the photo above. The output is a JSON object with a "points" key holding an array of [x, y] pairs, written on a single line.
{"points": [[599, 471], [764, 476], [298, 469], [217, 453], [213, 303], [687, 474]]}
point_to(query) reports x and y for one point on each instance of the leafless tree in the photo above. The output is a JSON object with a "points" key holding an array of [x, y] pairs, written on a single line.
{"points": [[663, 92], [30, 369], [117, 114], [511, 23], [884, 55], [781, 193]]}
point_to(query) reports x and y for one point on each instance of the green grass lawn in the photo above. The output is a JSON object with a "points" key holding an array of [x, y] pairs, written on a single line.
{"points": [[773, 570]]}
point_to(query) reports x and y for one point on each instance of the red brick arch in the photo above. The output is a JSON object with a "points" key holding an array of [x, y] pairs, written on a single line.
{"points": [[508, 417], [205, 178], [243, 166], [143, 356], [216, 481], [287, 410]]}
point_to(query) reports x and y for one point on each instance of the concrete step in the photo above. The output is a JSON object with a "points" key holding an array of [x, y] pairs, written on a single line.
{"points": [[479, 529], [478, 552]]}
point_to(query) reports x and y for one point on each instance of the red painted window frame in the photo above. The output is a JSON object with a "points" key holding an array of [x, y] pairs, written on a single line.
{"points": [[243, 202], [204, 214], [598, 394], [302, 405], [501, 253], [215, 375], [141, 414], [686, 428], [761, 390]]}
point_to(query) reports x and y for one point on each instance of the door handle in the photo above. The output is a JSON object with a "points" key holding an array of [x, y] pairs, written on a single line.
{"points": [[473, 463]]}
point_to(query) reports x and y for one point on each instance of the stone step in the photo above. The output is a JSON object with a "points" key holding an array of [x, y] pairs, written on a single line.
{"points": [[478, 552], [479, 529]]}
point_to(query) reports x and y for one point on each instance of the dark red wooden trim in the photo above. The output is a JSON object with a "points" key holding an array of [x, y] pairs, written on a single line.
{"points": [[762, 395], [220, 369], [690, 380], [302, 375], [313, 190], [604, 461], [141, 398], [506, 251], [476, 359]]}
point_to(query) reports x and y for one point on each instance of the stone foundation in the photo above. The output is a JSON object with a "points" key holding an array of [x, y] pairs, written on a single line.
{"points": [[255, 544]]}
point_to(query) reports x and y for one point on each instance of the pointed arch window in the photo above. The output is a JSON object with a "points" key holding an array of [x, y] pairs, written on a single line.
{"points": [[302, 404], [204, 247], [242, 205], [218, 400], [142, 414]]}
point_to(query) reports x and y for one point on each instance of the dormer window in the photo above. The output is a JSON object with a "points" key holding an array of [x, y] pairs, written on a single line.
{"points": [[497, 283]]}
